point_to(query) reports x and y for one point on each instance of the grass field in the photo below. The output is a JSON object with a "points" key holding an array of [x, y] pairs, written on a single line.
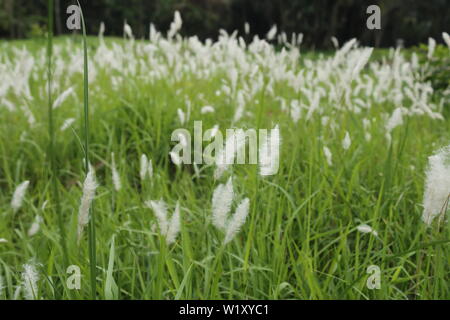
{"points": [[355, 141]]}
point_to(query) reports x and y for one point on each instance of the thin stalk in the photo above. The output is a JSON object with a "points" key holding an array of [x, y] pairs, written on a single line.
{"points": [[51, 133], [91, 225]]}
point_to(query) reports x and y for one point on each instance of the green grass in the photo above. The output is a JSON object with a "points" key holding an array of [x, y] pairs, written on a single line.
{"points": [[300, 240]]}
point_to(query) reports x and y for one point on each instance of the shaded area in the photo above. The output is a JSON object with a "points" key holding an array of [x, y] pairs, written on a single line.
{"points": [[411, 20]]}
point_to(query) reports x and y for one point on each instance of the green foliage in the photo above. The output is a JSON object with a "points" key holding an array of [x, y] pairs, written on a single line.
{"points": [[436, 69], [300, 241], [36, 31]]}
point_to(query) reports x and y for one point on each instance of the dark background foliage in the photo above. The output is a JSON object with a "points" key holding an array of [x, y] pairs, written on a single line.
{"points": [[411, 20]]}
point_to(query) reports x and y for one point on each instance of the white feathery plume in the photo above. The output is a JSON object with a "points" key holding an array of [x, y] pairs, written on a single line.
{"points": [[446, 38], [18, 195], [160, 209], [67, 123], [115, 174], [174, 225], [169, 228], [237, 220], [328, 155], [144, 166], [221, 204], [347, 141], [62, 97], [89, 187], [35, 226], [395, 120], [175, 26], [30, 278], [295, 111], [364, 228], [153, 33], [437, 185], [181, 116], [344, 50], [246, 28], [431, 47], [362, 61], [272, 33], [127, 30], [335, 42], [207, 109], [101, 31]]}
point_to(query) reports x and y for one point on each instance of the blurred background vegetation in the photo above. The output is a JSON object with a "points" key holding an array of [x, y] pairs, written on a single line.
{"points": [[413, 21]]}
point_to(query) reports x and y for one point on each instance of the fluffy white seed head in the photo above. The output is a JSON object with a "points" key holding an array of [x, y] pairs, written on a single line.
{"points": [[181, 116], [446, 38], [62, 97], [67, 123], [30, 278], [346, 143], [101, 31], [237, 220], [437, 185], [207, 109], [19, 195], [364, 228], [169, 228], [144, 166], [115, 174], [335, 42], [247, 28], [89, 187], [174, 225], [35, 226], [175, 26], [431, 47], [328, 155], [127, 31], [221, 204], [395, 120], [362, 61], [272, 33], [159, 207]]}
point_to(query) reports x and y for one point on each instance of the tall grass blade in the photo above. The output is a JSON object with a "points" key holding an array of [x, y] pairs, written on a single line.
{"points": [[91, 226], [51, 132]]}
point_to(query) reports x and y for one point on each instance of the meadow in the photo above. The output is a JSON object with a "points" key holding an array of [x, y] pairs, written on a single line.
{"points": [[357, 127]]}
